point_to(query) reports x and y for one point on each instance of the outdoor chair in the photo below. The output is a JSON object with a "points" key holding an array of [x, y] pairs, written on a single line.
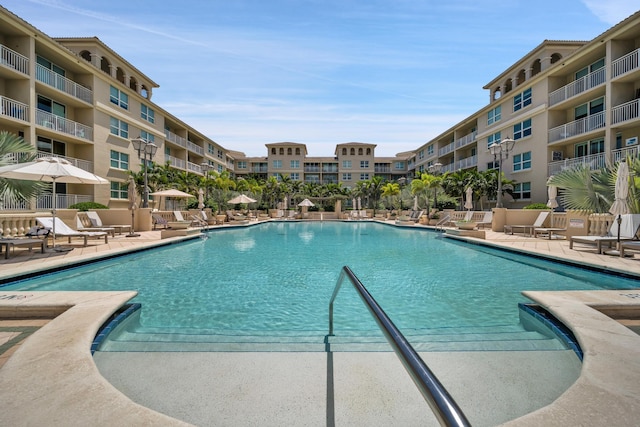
{"points": [[62, 229], [97, 222], [159, 221], [487, 220], [527, 229], [628, 231], [84, 223], [180, 221], [558, 225], [200, 219]]}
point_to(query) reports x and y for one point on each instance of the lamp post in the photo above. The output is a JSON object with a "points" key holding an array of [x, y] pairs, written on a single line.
{"points": [[500, 151], [401, 182], [144, 148], [206, 167], [435, 169]]}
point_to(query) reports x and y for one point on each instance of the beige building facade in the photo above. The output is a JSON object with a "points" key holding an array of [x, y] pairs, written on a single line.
{"points": [[565, 103]]}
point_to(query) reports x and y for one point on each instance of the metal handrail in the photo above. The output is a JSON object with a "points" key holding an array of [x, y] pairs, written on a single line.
{"points": [[442, 404], [440, 224]]}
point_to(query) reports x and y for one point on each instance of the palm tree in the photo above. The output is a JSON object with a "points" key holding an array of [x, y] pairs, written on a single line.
{"points": [[13, 147], [586, 189], [390, 190], [424, 185], [374, 189]]}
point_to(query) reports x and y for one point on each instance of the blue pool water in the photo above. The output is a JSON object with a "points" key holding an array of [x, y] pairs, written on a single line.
{"points": [[279, 277]]}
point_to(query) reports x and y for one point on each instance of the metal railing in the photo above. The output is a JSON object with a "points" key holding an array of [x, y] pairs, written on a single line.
{"points": [[12, 59], [61, 124], [578, 86], [178, 140], [63, 84], [627, 111], [442, 404], [625, 64], [577, 127], [15, 109], [593, 161], [622, 153], [467, 139]]}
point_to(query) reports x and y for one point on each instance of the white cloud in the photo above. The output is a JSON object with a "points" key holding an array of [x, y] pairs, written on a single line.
{"points": [[611, 11]]}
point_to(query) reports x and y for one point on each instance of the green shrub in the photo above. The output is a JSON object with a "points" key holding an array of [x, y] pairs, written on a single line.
{"points": [[88, 206], [536, 206]]}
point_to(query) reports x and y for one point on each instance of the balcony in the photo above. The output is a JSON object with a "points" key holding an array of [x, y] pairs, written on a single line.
{"points": [[14, 109], [593, 161], [195, 148], [577, 127], [259, 169], [192, 167], [79, 163], [175, 162], [466, 140], [63, 125], [382, 169], [312, 169], [446, 149], [623, 153], [329, 169], [467, 162], [178, 140], [627, 111], [578, 86], [63, 84], [623, 65], [451, 167], [12, 59]]}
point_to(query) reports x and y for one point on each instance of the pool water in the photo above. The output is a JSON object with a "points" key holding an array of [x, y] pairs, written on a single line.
{"points": [[278, 277]]}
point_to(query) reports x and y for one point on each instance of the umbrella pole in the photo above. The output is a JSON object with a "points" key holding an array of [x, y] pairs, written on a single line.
{"points": [[53, 212]]}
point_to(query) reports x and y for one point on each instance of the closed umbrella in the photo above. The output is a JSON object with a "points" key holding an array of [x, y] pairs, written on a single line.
{"points": [[200, 199], [415, 203], [54, 170], [620, 205], [132, 195], [468, 204], [552, 193]]}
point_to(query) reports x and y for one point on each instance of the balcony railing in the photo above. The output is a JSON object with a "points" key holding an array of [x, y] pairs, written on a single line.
{"points": [[627, 111], [451, 167], [594, 161], [467, 162], [259, 169], [194, 168], [178, 140], [465, 140], [382, 169], [625, 64], [329, 169], [63, 201], [63, 84], [79, 163], [578, 86], [623, 153], [12, 59], [446, 149], [63, 125], [577, 127], [15, 109], [313, 169], [175, 162], [195, 148]]}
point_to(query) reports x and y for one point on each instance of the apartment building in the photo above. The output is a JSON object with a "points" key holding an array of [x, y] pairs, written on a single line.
{"points": [[565, 103]]}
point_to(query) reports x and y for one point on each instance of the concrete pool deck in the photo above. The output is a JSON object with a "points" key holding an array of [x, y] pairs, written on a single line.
{"points": [[52, 378]]}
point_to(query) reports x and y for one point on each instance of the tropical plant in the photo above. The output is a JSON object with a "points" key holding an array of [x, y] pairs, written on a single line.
{"points": [[391, 190], [586, 189], [12, 148], [88, 206]]}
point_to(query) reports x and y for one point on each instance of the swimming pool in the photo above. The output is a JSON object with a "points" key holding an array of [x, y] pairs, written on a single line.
{"points": [[277, 278]]}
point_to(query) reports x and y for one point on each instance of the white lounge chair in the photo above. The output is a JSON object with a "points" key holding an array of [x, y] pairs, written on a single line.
{"points": [[200, 219], [628, 231], [527, 229], [486, 220], [84, 223], [62, 229], [97, 222]]}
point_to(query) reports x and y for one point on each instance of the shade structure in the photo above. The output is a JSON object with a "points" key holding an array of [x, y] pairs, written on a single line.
{"points": [[54, 170], [552, 193], [306, 202], [241, 199], [172, 193], [468, 203], [620, 205], [200, 199]]}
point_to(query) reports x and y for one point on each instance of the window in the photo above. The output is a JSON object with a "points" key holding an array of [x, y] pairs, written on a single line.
{"points": [[522, 99], [346, 164], [520, 130], [277, 164], [119, 160], [295, 176], [118, 127], [273, 150], [522, 161], [149, 137], [211, 149], [297, 151], [281, 151], [147, 114], [522, 190], [399, 165], [119, 98], [359, 151], [364, 176], [494, 115], [364, 164], [346, 177], [289, 151], [220, 154], [242, 164], [220, 169], [429, 151], [344, 151], [421, 152], [493, 165], [352, 151], [493, 138], [294, 164], [119, 190]]}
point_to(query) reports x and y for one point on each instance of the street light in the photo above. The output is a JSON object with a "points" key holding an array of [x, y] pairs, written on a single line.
{"points": [[144, 148], [435, 169], [500, 151]]}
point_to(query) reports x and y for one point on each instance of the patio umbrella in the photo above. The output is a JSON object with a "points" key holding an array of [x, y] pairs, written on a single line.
{"points": [[620, 205], [552, 193], [241, 199], [468, 203], [54, 170], [200, 199], [359, 203], [415, 203], [132, 195], [306, 202], [172, 193]]}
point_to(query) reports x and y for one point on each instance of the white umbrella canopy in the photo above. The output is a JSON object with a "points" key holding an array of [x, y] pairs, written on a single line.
{"points": [[241, 199], [552, 193], [306, 202], [172, 193], [51, 169], [468, 203]]}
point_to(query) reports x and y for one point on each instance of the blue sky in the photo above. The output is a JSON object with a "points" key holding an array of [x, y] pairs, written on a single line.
{"points": [[395, 73]]}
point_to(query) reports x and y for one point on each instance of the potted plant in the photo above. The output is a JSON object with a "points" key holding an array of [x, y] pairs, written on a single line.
{"points": [[434, 218], [466, 225]]}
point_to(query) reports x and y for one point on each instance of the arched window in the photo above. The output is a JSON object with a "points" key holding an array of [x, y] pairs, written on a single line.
{"points": [[273, 150], [120, 75], [104, 65], [353, 151], [85, 55], [497, 93], [289, 151], [344, 151], [133, 84], [521, 77], [359, 151], [368, 151], [297, 151], [536, 67], [508, 85], [281, 151], [555, 58]]}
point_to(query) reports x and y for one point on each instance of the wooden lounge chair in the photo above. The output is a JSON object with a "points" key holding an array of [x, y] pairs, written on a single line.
{"points": [[62, 229], [628, 231], [97, 222], [558, 225], [628, 246], [159, 221], [84, 223], [487, 220], [200, 219], [527, 229]]}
